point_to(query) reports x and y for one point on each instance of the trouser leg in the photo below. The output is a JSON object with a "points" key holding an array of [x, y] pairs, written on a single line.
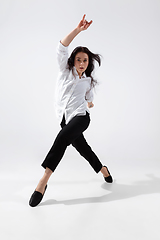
{"points": [[65, 137], [85, 150]]}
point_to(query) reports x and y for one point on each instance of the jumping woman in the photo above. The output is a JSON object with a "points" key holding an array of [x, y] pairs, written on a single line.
{"points": [[74, 96]]}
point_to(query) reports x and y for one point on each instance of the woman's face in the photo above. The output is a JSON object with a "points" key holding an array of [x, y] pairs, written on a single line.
{"points": [[81, 62]]}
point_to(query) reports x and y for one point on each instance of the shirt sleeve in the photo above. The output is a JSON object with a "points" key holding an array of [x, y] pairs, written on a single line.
{"points": [[62, 56], [89, 95]]}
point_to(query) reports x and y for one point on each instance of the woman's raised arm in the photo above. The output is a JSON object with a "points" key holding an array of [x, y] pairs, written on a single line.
{"points": [[83, 25]]}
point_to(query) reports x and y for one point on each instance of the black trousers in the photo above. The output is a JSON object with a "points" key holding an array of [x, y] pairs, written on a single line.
{"points": [[72, 133]]}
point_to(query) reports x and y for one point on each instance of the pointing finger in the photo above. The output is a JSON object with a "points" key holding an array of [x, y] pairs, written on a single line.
{"points": [[83, 17]]}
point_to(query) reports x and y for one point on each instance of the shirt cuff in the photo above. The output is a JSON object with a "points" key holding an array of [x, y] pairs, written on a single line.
{"points": [[62, 47]]}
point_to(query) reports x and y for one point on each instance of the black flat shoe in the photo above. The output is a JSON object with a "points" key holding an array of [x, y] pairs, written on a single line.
{"points": [[108, 179], [36, 198]]}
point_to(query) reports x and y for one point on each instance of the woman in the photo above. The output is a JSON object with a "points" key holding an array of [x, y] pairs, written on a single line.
{"points": [[73, 94]]}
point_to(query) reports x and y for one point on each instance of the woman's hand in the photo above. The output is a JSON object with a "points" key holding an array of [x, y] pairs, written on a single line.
{"points": [[90, 104], [84, 24]]}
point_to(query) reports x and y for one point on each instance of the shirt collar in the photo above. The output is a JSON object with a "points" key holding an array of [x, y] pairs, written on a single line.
{"points": [[76, 74]]}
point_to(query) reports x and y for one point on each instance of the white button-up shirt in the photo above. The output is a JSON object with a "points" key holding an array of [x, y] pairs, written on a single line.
{"points": [[72, 93]]}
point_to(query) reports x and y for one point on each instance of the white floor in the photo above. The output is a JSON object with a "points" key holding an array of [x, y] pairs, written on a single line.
{"points": [[79, 205]]}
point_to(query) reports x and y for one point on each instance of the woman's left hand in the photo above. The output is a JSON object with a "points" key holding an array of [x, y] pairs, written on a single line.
{"points": [[90, 104]]}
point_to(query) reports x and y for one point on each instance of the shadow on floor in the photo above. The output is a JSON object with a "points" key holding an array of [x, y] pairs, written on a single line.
{"points": [[116, 192]]}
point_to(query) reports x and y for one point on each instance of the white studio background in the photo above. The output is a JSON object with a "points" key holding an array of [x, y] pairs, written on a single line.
{"points": [[125, 120]]}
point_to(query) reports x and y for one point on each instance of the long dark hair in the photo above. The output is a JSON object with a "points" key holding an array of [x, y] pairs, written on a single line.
{"points": [[92, 57]]}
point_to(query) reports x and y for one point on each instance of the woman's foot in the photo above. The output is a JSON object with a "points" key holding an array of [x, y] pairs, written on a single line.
{"points": [[37, 196], [106, 174]]}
